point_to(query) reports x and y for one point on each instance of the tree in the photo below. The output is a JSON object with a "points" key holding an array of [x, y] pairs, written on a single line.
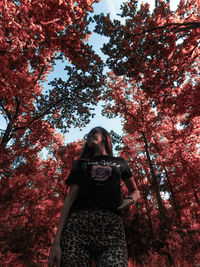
{"points": [[54, 30], [163, 166], [159, 51], [32, 202], [35, 35], [154, 86]]}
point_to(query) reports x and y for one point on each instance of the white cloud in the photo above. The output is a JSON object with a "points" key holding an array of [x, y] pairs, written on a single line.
{"points": [[113, 7]]}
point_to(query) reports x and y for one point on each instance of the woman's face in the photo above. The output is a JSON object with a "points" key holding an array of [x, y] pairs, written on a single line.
{"points": [[94, 138]]}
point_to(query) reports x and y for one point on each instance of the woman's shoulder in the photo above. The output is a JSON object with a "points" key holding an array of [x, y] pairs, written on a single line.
{"points": [[121, 160], [118, 158]]}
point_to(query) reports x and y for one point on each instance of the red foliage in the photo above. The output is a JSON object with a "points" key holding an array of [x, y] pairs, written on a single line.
{"points": [[33, 35], [154, 87], [32, 32], [166, 170], [157, 97], [32, 197]]}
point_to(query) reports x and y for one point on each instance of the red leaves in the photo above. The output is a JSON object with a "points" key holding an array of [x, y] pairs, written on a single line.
{"points": [[157, 96], [33, 188], [32, 198], [158, 100], [31, 39]]}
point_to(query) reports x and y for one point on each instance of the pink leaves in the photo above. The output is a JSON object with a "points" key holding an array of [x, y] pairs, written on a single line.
{"points": [[155, 90]]}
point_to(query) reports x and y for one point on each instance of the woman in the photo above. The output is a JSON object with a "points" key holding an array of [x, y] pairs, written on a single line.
{"points": [[90, 225]]}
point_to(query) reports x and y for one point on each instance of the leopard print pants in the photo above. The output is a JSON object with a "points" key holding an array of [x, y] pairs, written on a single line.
{"points": [[94, 234]]}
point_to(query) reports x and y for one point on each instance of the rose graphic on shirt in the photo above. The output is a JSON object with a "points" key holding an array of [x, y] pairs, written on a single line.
{"points": [[101, 173]]}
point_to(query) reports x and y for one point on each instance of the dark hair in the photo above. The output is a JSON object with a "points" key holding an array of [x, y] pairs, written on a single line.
{"points": [[88, 152]]}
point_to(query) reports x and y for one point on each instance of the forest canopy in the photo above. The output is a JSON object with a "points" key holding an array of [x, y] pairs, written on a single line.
{"points": [[152, 83]]}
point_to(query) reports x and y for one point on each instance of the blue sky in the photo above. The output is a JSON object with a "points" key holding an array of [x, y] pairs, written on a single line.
{"points": [[112, 7], [105, 6]]}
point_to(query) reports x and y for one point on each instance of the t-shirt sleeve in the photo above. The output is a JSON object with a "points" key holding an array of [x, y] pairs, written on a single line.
{"points": [[125, 170], [74, 176]]}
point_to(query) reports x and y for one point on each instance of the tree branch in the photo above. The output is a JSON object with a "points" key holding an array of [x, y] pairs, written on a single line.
{"points": [[189, 25], [5, 109]]}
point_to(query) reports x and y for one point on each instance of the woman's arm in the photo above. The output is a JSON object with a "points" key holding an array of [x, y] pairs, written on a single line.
{"points": [[132, 189], [133, 195], [69, 199], [55, 253]]}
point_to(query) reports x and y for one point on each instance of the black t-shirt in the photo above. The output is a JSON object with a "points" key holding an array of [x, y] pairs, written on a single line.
{"points": [[99, 181]]}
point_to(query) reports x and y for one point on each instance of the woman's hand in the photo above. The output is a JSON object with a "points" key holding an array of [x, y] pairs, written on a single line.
{"points": [[125, 203], [55, 256], [135, 195], [131, 199]]}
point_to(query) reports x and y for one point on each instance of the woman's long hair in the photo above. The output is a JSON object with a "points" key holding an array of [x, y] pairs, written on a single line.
{"points": [[88, 152]]}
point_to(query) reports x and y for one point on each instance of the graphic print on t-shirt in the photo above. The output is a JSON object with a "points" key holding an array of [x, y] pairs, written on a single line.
{"points": [[101, 173]]}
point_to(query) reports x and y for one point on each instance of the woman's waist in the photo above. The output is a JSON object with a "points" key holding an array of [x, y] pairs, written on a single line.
{"points": [[95, 210]]}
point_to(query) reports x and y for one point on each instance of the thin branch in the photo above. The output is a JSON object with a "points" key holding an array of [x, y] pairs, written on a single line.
{"points": [[39, 116], [17, 108], [193, 24], [6, 111]]}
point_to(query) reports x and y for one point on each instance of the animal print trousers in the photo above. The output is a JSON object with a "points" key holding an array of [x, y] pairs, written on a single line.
{"points": [[94, 235]]}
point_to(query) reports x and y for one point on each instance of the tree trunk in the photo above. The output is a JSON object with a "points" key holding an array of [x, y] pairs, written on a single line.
{"points": [[155, 184]]}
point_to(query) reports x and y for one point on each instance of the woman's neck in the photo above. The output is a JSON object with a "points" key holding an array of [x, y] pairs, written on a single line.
{"points": [[100, 151]]}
